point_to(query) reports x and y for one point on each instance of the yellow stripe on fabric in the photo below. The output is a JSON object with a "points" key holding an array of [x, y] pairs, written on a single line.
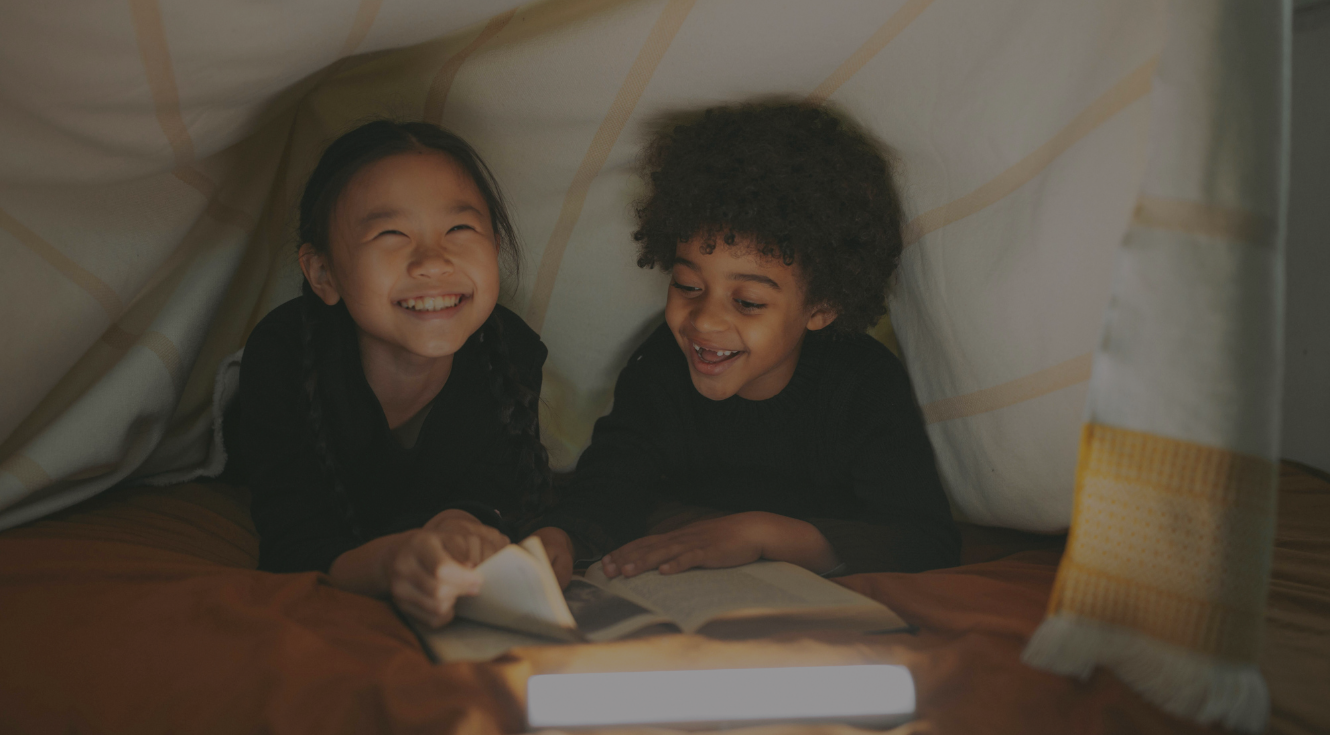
{"points": [[366, 13], [1206, 220], [443, 79], [1130, 88], [165, 350], [644, 66], [156, 54], [870, 48], [28, 473], [1170, 538], [1062, 375], [95, 286]]}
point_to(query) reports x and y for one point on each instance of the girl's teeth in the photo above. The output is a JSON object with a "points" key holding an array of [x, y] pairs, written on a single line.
{"points": [[431, 303]]}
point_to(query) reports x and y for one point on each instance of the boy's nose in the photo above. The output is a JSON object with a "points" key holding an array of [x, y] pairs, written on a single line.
{"points": [[708, 316]]}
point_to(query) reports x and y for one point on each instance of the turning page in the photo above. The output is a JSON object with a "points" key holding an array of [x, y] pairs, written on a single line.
{"points": [[520, 592]]}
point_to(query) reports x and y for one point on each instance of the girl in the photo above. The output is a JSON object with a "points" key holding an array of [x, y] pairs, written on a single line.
{"points": [[387, 418]]}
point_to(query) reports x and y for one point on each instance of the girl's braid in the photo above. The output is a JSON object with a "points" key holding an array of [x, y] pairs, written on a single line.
{"points": [[519, 415], [313, 315]]}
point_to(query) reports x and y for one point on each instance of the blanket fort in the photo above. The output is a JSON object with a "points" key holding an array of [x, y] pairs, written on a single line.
{"points": [[1094, 269]]}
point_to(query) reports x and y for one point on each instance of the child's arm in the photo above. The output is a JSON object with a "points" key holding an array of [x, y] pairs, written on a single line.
{"points": [[299, 524], [903, 523], [881, 453], [618, 476], [728, 541]]}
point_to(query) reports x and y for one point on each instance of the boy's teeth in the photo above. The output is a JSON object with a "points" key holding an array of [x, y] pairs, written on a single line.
{"points": [[719, 353]]}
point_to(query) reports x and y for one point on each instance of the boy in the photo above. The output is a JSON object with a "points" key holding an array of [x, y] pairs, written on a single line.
{"points": [[760, 421]]}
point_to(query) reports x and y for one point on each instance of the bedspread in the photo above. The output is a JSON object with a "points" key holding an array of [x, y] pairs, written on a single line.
{"points": [[140, 611]]}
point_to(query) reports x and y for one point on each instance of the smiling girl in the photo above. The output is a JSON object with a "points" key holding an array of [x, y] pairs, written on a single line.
{"points": [[760, 421], [387, 418]]}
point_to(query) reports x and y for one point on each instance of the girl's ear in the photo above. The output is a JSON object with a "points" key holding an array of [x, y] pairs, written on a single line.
{"points": [[822, 317], [315, 267]]}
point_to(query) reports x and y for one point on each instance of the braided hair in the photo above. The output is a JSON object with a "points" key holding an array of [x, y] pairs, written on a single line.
{"points": [[518, 404]]}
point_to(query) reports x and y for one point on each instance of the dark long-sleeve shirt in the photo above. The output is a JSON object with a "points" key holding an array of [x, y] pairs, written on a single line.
{"points": [[460, 459], [842, 446]]}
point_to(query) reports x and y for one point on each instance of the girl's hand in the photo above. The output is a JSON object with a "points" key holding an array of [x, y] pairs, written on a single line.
{"points": [[466, 539], [728, 541], [559, 548], [425, 581]]}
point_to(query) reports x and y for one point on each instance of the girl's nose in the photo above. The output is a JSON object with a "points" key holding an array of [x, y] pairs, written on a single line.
{"points": [[430, 260]]}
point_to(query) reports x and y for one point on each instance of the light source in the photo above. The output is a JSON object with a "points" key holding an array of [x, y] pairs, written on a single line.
{"points": [[870, 695]]}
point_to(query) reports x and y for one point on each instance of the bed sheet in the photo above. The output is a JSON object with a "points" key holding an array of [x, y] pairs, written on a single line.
{"points": [[140, 611]]}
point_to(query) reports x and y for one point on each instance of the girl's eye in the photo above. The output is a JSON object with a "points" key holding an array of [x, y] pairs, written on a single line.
{"points": [[455, 228], [391, 232], [685, 289], [749, 305]]}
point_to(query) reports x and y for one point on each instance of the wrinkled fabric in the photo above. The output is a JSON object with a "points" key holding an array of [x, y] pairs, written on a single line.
{"points": [[140, 611]]}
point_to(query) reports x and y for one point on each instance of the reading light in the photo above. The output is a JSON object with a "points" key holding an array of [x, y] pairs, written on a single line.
{"points": [[876, 696]]}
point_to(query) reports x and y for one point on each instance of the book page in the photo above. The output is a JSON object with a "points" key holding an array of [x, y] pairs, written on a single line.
{"points": [[521, 593], [463, 640], [765, 588], [602, 616]]}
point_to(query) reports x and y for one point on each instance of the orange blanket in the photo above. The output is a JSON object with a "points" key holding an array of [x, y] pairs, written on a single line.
{"points": [[139, 611]]}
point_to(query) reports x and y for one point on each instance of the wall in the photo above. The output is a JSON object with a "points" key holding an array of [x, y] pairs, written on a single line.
{"points": [[1307, 327]]}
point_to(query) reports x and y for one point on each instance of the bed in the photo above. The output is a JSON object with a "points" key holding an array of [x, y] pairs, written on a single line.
{"points": [[140, 611]]}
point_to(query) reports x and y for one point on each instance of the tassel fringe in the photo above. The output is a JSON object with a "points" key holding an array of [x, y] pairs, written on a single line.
{"points": [[1183, 682]]}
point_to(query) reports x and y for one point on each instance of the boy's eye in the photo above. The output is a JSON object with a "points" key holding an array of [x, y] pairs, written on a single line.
{"points": [[685, 289], [391, 232], [749, 305]]}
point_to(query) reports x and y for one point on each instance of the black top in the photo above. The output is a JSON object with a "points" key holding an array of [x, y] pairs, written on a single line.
{"points": [[842, 446], [460, 459]]}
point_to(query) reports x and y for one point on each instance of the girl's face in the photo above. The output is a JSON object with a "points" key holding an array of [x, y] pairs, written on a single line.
{"points": [[740, 319], [413, 254]]}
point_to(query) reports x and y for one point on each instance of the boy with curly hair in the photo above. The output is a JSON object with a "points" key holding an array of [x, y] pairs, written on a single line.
{"points": [[760, 421]]}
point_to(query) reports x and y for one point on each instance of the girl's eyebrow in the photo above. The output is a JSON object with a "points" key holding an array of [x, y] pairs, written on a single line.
{"points": [[379, 214], [389, 213], [460, 207]]}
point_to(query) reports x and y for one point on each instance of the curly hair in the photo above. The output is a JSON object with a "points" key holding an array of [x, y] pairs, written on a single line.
{"points": [[793, 180]]}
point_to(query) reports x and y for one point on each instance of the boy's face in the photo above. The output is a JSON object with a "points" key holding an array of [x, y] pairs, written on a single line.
{"points": [[739, 317]]}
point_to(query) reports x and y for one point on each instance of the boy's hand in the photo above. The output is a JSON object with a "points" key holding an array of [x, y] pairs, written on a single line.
{"points": [[559, 548], [728, 541], [425, 581], [467, 540]]}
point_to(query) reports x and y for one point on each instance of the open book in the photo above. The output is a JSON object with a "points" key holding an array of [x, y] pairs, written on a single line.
{"points": [[520, 604]]}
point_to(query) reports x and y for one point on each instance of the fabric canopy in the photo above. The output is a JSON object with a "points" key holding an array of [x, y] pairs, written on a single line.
{"points": [[148, 205], [1094, 190]]}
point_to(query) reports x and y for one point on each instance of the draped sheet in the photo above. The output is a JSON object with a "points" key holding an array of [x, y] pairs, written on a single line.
{"points": [[156, 150]]}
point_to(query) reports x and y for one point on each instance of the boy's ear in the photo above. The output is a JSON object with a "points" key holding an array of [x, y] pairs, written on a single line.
{"points": [[822, 317], [315, 267]]}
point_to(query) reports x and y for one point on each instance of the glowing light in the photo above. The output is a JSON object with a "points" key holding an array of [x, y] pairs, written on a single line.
{"points": [[877, 695]]}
